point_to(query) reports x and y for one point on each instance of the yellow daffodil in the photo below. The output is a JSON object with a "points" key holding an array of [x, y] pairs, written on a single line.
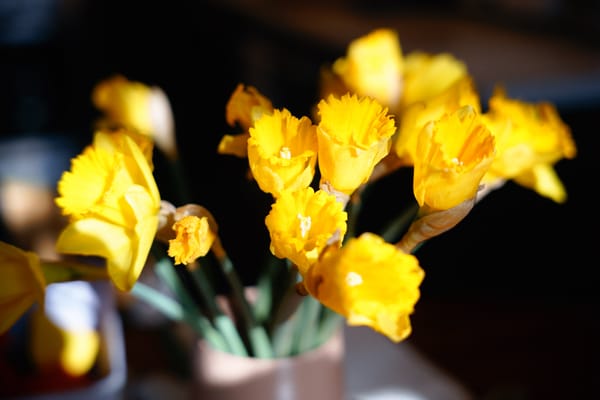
{"points": [[530, 139], [354, 134], [124, 102], [193, 239], [139, 108], [113, 203], [302, 223], [373, 67], [427, 75], [22, 283], [452, 155], [65, 334], [282, 152], [54, 348], [370, 282], [414, 118], [245, 105]]}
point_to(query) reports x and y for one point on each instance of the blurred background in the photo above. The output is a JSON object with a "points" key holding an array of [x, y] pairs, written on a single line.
{"points": [[509, 304]]}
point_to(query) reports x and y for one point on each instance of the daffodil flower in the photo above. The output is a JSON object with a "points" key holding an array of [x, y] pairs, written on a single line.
{"points": [[113, 203], [414, 118], [193, 239], [302, 223], [138, 108], [370, 282], [427, 75], [22, 283], [245, 105], [282, 152], [530, 139], [452, 155], [353, 135], [373, 67]]}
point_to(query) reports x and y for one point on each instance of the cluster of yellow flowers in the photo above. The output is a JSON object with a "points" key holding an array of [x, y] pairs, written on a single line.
{"points": [[380, 111]]}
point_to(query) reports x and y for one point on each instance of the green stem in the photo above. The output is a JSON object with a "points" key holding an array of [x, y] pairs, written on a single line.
{"points": [[354, 208], [166, 270], [330, 322], [398, 225], [306, 338], [272, 286], [179, 178], [176, 312], [257, 335], [283, 337]]}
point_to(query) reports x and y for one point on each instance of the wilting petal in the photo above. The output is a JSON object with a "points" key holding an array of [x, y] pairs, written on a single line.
{"points": [[193, 239]]}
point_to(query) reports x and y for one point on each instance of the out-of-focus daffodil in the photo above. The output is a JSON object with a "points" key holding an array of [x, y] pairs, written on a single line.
{"points": [[65, 335], [302, 223], [530, 139], [193, 239], [244, 107], [452, 155], [113, 204], [354, 134], [427, 75], [282, 152], [22, 283], [370, 282], [138, 108], [373, 67]]}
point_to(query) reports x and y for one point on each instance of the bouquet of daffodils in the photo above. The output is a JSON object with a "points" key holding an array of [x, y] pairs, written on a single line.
{"points": [[380, 112]]}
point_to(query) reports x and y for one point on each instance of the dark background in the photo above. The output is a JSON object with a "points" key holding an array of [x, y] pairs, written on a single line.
{"points": [[509, 302]]}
